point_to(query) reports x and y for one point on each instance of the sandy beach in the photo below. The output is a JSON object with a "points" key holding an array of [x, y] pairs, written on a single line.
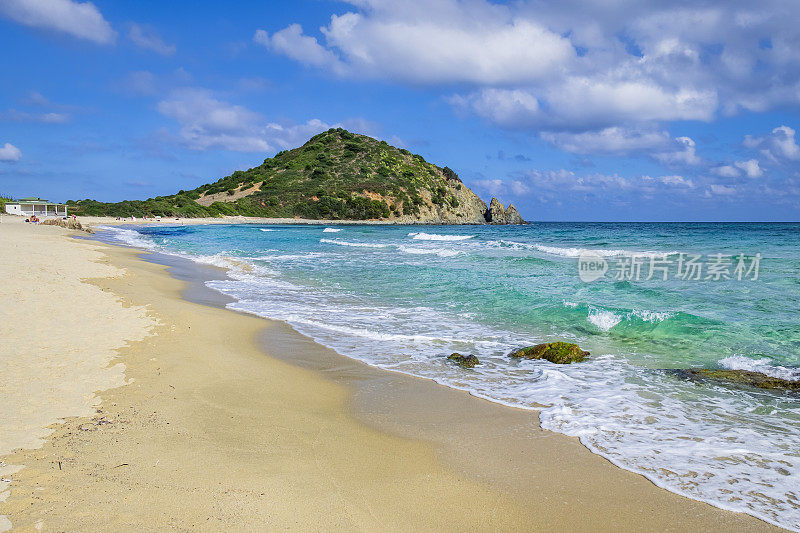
{"points": [[134, 400]]}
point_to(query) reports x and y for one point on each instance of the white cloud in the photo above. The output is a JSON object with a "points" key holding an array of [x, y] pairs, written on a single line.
{"points": [[685, 155], [676, 181], [148, 39], [36, 98], [495, 187], [478, 43], [750, 168], [82, 20], [209, 123], [612, 140], [47, 118], [574, 66], [780, 144], [9, 152], [727, 171], [291, 42], [722, 190], [586, 104], [520, 188]]}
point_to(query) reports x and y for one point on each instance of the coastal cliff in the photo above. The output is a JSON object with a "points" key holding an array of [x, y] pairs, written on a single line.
{"points": [[336, 175]]}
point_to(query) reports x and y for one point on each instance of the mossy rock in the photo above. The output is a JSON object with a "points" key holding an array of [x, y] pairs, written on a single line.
{"points": [[745, 378], [562, 353], [465, 361]]}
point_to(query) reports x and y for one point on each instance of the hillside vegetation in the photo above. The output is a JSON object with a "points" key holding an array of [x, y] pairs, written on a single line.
{"points": [[4, 199], [335, 175]]}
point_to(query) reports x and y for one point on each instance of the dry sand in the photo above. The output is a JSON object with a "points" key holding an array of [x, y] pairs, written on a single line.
{"points": [[212, 433]]}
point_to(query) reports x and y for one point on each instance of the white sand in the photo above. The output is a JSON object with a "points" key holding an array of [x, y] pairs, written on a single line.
{"points": [[59, 335]]}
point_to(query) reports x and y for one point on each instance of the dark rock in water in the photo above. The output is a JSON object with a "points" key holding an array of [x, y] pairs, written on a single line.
{"points": [[562, 353], [466, 361], [739, 377], [498, 214]]}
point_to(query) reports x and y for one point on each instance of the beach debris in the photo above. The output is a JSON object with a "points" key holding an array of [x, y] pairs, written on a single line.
{"points": [[562, 353], [746, 378], [464, 361]]}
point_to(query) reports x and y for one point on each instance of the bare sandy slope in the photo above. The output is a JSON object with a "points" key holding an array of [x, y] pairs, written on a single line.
{"points": [[211, 433]]}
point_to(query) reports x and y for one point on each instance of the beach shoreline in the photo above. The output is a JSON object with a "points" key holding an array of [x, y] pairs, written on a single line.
{"points": [[112, 221], [203, 385]]}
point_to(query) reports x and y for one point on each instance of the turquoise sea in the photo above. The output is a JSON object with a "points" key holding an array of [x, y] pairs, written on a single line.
{"points": [[405, 297]]}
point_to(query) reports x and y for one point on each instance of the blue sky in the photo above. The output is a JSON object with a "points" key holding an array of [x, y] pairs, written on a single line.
{"points": [[572, 110]]}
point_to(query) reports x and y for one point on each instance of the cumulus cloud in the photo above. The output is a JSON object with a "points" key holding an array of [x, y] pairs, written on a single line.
{"points": [[727, 171], [686, 154], [82, 20], [778, 145], [612, 140], [722, 190], [291, 42], [10, 153], [478, 43], [147, 38], [750, 168], [571, 67], [495, 187], [207, 122]]}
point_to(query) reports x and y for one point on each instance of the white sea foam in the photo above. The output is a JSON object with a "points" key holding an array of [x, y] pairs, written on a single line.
{"points": [[649, 316], [331, 230], [420, 236], [763, 365], [354, 244], [267, 229], [574, 251], [603, 319], [577, 252], [441, 252], [130, 237]]}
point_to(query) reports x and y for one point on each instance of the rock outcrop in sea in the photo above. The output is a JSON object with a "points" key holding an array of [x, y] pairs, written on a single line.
{"points": [[465, 361], [746, 378], [562, 353], [497, 213]]}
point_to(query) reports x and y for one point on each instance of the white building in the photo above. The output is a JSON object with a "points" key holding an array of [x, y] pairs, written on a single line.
{"points": [[36, 206]]}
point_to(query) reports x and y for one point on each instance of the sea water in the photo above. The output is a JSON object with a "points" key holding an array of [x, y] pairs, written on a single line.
{"points": [[404, 298]]}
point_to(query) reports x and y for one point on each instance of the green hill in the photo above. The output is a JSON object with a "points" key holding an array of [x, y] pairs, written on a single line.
{"points": [[336, 175]]}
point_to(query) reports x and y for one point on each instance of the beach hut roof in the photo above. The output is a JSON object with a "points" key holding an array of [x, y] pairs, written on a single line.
{"points": [[33, 200]]}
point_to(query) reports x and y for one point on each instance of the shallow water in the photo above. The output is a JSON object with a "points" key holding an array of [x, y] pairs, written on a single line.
{"points": [[404, 298]]}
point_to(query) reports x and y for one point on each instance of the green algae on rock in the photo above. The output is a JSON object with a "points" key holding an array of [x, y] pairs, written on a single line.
{"points": [[465, 361], [562, 353], [739, 377]]}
